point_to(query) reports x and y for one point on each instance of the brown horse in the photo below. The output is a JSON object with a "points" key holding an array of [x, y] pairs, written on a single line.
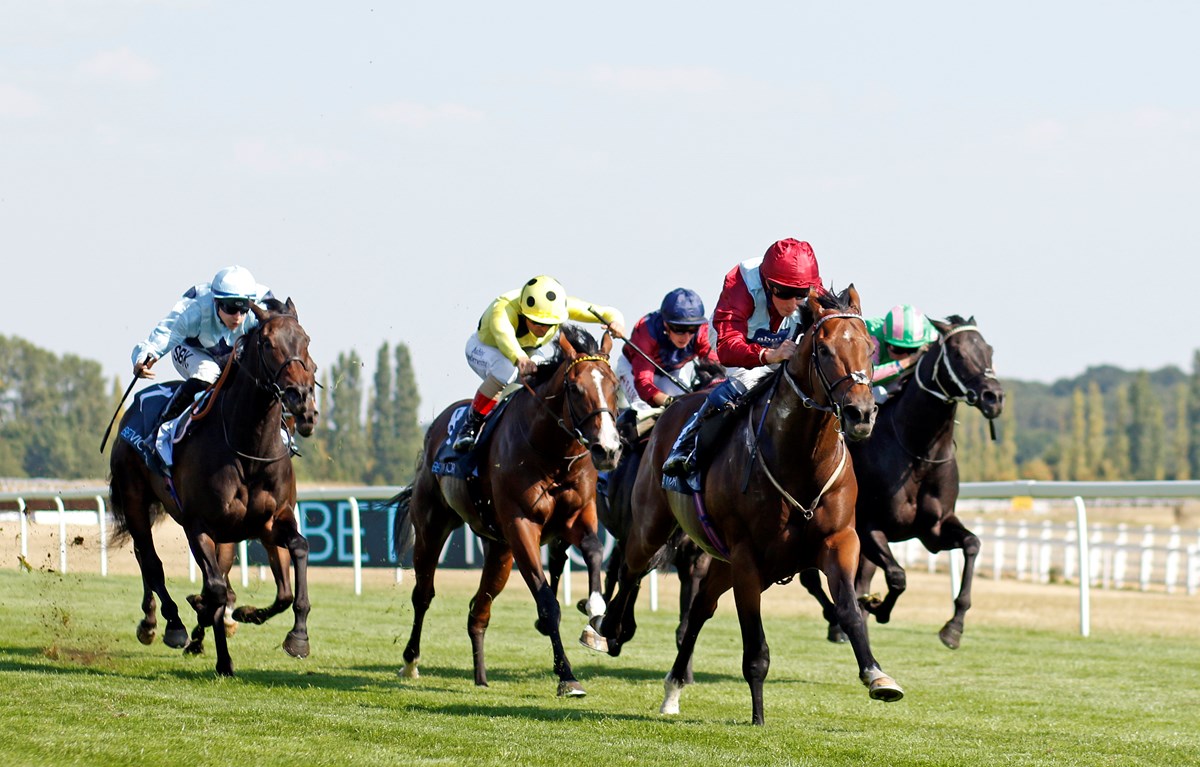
{"points": [[778, 497], [232, 480], [536, 482], [908, 474]]}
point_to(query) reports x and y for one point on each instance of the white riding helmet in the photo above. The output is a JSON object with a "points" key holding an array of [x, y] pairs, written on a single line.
{"points": [[235, 282]]}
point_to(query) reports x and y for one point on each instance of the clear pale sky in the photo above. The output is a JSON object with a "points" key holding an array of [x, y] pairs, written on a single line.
{"points": [[394, 166]]}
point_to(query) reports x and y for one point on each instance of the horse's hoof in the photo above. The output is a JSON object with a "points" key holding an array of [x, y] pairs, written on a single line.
{"points": [[582, 606], [175, 638], [593, 640], [950, 636], [295, 646], [836, 635], [230, 628], [884, 688], [869, 602], [146, 633], [248, 614], [571, 689], [671, 692], [225, 669], [193, 647], [410, 670], [196, 601]]}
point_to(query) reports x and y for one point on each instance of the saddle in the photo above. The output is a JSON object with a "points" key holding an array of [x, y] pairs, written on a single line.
{"points": [[145, 431], [447, 462]]}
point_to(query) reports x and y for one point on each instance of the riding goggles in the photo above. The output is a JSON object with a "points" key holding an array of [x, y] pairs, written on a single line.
{"points": [[234, 305], [683, 329], [786, 294]]}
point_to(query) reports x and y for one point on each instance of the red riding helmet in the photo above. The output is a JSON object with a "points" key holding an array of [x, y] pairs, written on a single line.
{"points": [[791, 263]]}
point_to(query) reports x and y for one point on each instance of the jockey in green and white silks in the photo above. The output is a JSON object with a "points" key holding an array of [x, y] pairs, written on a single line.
{"points": [[901, 337], [202, 328], [518, 330]]}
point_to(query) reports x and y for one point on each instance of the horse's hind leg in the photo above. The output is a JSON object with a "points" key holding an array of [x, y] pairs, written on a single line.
{"points": [[875, 548], [429, 538], [954, 535], [810, 579], [280, 561], [138, 522], [195, 644], [693, 566], [715, 582], [497, 564]]}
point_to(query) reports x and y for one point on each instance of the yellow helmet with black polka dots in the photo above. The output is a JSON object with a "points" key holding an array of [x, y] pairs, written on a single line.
{"points": [[544, 300]]}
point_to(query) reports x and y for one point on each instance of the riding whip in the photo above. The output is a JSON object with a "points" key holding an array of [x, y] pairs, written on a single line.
{"points": [[634, 346], [124, 397]]}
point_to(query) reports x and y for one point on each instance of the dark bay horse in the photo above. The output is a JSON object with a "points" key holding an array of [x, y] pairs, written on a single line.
{"points": [[778, 498], [232, 480], [536, 483], [908, 474]]}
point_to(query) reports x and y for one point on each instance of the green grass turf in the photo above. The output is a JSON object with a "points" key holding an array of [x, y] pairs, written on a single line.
{"points": [[80, 689]]}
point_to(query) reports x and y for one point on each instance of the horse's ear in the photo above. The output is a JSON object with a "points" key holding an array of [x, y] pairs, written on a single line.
{"points": [[971, 320], [852, 296], [941, 327], [291, 308], [564, 343], [606, 343], [814, 305], [260, 313]]}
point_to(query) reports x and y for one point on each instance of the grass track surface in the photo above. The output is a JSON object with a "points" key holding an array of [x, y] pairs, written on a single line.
{"points": [[80, 689]]}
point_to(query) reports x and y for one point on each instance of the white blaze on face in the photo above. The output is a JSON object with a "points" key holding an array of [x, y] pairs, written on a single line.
{"points": [[608, 438]]}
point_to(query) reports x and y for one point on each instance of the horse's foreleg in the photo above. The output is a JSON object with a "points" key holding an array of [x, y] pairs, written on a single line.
{"points": [[295, 643], [955, 535], [154, 581], [593, 553], [497, 564], [524, 538], [839, 561], [717, 579], [756, 656], [280, 561], [554, 571], [210, 606], [876, 549]]}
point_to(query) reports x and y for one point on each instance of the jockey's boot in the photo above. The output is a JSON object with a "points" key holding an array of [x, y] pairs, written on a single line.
{"points": [[681, 462], [185, 397], [468, 432]]}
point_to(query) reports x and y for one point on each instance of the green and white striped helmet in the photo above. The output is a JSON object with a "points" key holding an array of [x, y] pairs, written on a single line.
{"points": [[906, 327]]}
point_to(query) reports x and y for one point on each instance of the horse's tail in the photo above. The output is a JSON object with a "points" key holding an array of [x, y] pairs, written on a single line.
{"points": [[402, 526], [119, 506]]}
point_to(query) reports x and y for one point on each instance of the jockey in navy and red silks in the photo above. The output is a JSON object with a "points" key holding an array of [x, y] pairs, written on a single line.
{"points": [[675, 337], [757, 315]]}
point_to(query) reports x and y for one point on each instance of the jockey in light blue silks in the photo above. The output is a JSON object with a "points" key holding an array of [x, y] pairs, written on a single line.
{"points": [[201, 331]]}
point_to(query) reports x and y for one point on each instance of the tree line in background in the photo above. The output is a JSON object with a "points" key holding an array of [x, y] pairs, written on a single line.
{"points": [[1106, 424]]}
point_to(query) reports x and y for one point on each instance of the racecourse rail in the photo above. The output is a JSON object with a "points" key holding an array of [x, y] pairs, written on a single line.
{"points": [[339, 521]]}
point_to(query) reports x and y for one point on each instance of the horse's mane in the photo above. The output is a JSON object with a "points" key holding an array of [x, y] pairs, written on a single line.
{"points": [[583, 342], [956, 319], [828, 299]]}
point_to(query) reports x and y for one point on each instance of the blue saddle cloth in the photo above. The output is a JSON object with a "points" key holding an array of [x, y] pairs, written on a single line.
{"points": [[449, 463], [139, 425]]}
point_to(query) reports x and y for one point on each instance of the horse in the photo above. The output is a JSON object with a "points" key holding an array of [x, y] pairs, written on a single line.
{"points": [[908, 473], [786, 441], [232, 480], [536, 482]]}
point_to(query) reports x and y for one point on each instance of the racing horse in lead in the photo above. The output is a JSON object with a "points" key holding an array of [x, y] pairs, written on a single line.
{"points": [[232, 480], [536, 483], [908, 473], [778, 498]]}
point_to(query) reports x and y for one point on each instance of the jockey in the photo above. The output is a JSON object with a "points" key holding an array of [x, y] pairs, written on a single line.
{"points": [[900, 338], [758, 314], [517, 331], [201, 331], [675, 337]]}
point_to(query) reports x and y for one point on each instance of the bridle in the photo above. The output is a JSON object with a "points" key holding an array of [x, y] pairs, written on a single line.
{"points": [[857, 377], [940, 362], [573, 430]]}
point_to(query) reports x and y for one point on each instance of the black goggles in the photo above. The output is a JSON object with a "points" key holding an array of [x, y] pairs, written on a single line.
{"points": [[786, 294], [234, 305], [683, 329]]}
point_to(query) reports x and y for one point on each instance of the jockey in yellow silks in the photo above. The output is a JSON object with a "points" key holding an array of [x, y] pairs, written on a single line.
{"points": [[517, 331]]}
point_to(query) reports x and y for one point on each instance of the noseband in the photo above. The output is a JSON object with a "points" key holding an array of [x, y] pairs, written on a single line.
{"points": [[969, 396], [857, 377]]}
